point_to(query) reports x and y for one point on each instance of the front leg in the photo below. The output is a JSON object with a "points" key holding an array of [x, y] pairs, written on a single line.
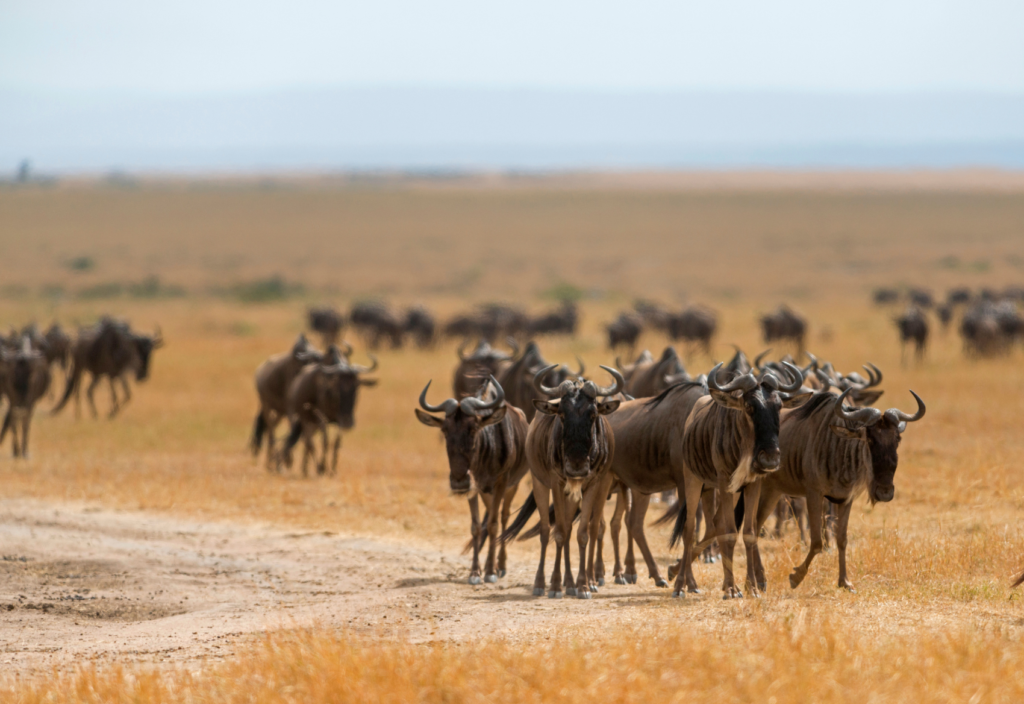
{"points": [[506, 510], [474, 530], [558, 502], [637, 514], [115, 406], [751, 496], [725, 520], [492, 506], [842, 522], [621, 503], [690, 496], [814, 521], [541, 494]]}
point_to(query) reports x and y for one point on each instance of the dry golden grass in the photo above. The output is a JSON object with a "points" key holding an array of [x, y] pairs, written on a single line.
{"points": [[933, 619]]}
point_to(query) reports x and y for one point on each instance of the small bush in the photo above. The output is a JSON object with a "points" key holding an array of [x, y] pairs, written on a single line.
{"points": [[266, 290]]}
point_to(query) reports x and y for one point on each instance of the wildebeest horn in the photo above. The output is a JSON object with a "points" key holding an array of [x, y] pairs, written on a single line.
{"points": [[813, 365], [538, 382], [618, 362], [745, 382], [462, 349], [158, 338], [360, 369], [895, 415], [348, 348], [875, 373], [860, 418], [615, 388], [798, 378], [824, 378], [758, 358], [473, 405], [511, 342], [583, 367], [448, 406]]}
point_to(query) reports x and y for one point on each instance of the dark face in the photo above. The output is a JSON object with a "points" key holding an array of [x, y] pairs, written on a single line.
{"points": [[761, 405], [144, 349], [460, 430], [338, 392], [883, 440], [579, 415]]}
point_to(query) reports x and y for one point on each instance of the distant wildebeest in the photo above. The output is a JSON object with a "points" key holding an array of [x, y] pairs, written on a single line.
{"points": [[499, 320], [569, 448], [624, 330], [328, 323], [323, 394], [834, 453], [474, 368], [695, 325], [377, 323], [516, 379], [784, 324], [885, 296], [731, 441], [921, 298], [981, 331], [958, 296], [913, 327], [26, 377], [273, 380], [485, 438], [58, 346], [420, 324], [562, 321], [653, 315], [109, 349], [647, 377], [945, 315]]}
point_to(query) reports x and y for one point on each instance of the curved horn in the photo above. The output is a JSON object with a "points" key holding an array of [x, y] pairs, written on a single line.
{"points": [[583, 367], [538, 382], [348, 348], [461, 350], [158, 337], [448, 406], [511, 342], [472, 404], [615, 388], [860, 418], [618, 362], [758, 358], [825, 379], [744, 382], [897, 416], [360, 369], [798, 378], [812, 366], [875, 373]]}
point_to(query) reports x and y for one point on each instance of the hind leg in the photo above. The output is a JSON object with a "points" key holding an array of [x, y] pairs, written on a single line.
{"points": [[89, 396], [115, 405], [621, 502], [506, 511]]}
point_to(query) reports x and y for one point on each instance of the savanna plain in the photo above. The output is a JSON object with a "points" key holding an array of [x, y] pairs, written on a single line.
{"points": [[150, 558]]}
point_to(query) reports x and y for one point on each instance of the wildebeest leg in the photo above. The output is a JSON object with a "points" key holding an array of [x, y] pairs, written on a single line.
{"points": [[751, 494], [828, 524], [597, 553], [541, 495], [583, 535], [13, 419], [127, 391], [334, 454], [841, 525], [691, 495], [493, 504], [273, 461], [115, 405], [637, 515], [506, 510], [568, 514], [621, 502], [726, 529], [557, 500], [474, 530], [26, 426], [88, 394], [321, 465], [767, 505], [814, 521], [308, 448]]}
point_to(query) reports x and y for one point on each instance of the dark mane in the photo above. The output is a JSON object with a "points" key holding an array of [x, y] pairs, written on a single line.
{"points": [[819, 399], [656, 401]]}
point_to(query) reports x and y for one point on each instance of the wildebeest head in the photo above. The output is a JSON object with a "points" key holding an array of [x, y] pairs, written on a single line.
{"points": [[144, 346], [881, 431], [462, 422], [578, 403], [761, 398], [337, 386]]}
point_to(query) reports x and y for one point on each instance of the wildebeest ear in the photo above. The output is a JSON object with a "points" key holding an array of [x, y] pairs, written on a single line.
{"points": [[727, 399], [795, 400], [901, 427], [606, 407], [868, 398], [545, 407], [428, 419], [495, 417], [844, 432], [368, 382]]}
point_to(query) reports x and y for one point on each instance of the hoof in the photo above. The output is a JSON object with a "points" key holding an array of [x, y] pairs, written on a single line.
{"points": [[733, 595], [794, 581], [600, 581], [583, 594], [631, 578], [475, 579], [501, 574], [694, 590], [678, 595], [660, 583], [762, 586], [554, 595], [593, 588], [491, 578], [570, 591], [538, 591], [619, 579]]}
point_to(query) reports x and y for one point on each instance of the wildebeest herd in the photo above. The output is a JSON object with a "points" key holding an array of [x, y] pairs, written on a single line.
{"points": [[110, 350]]}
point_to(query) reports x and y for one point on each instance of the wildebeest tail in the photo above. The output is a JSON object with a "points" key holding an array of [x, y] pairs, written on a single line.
{"points": [[259, 428], [738, 513], [74, 377], [293, 437], [7, 426], [483, 533], [679, 508], [670, 513], [535, 531], [528, 507]]}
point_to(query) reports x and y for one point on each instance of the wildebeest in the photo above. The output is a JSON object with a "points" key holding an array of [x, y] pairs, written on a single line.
{"points": [[653, 315], [273, 379], [945, 315], [516, 379], [921, 298], [377, 323], [420, 324], [695, 325], [58, 346], [474, 368], [784, 324], [109, 349], [26, 379], [647, 377], [731, 441], [485, 439], [885, 296], [913, 327], [958, 296], [323, 394], [569, 448], [624, 330], [981, 331], [835, 453], [562, 321], [489, 322], [327, 322]]}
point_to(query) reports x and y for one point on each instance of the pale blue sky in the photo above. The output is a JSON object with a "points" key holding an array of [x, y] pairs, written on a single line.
{"points": [[189, 46]]}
